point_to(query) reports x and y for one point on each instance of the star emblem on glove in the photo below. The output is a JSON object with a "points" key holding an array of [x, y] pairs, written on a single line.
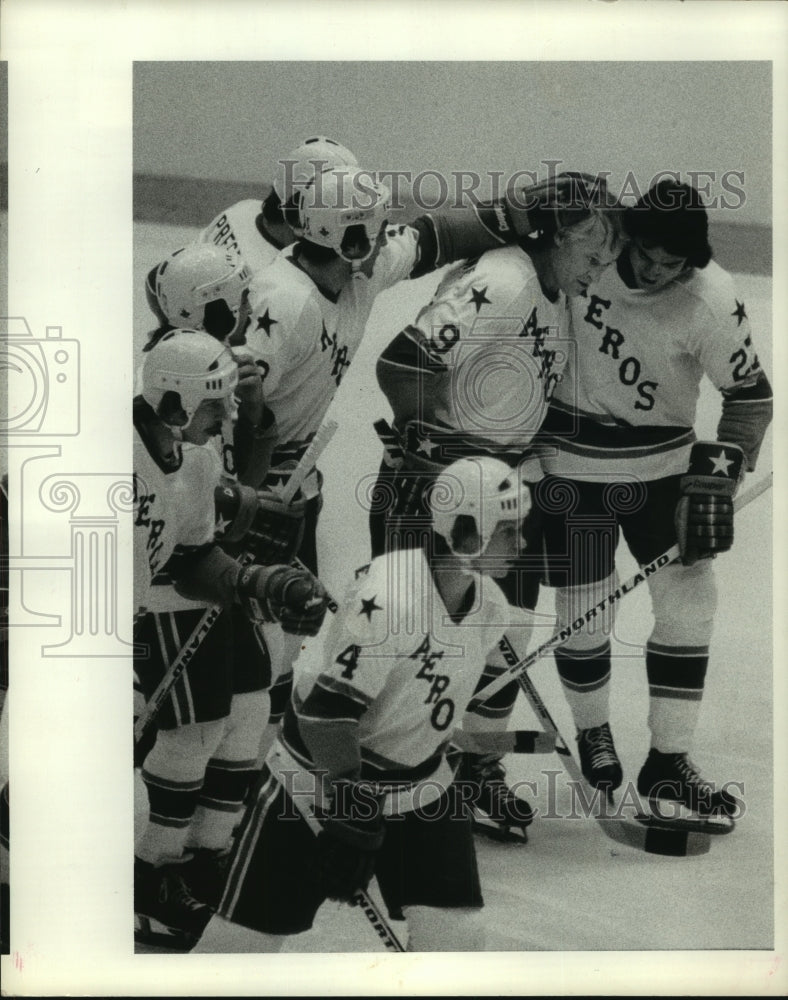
{"points": [[221, 525], [720, 464], [426, 446]]}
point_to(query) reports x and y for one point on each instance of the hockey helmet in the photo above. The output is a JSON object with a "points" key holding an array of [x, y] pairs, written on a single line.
{"points": [[344, 210], [484, 489], [192, 364], [295, 171], [196, 275]]}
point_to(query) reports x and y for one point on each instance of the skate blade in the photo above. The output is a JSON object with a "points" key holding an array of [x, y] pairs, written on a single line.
{"points": [[680, 818], [502, 834], [149, 931]]}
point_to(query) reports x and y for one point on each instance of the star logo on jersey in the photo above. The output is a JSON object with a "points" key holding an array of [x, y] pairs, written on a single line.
{"points": [[479, 297], [265, 322], [185, 313], [720, 464], [426, 446], [739, 312], [323, 231], [367, 607]]}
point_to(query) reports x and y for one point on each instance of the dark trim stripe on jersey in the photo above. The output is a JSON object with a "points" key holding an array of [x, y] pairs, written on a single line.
{"points": [[578, 434]]}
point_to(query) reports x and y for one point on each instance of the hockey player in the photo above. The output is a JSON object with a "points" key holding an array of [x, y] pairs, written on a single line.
{"points": [[365, 737], [626, 456], [477, 369], [310, 307], [207, 287], [258, 231], [188, 386]]}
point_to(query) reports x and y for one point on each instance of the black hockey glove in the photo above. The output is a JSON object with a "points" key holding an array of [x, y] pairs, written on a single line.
{"points": [[533, 208], [268, 527], [293, 597], [277, 529], [349, 842], [704, 515]]}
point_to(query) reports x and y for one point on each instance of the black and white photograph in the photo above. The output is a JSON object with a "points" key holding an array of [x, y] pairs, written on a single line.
{"points": [[390, 488]]}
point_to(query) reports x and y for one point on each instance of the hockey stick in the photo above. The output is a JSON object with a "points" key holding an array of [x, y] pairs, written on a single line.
{"points": [[152, 707], [508, 741], [653, 839], [361, 898], [671, 555]]}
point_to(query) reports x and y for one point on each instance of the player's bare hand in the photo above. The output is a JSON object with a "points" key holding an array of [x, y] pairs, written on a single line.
{"points": [[250, 388]]}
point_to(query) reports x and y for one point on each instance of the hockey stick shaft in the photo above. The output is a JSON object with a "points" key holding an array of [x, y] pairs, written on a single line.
{"points": [[513, 672], [152, 707], [306, 463], [508, 741]]}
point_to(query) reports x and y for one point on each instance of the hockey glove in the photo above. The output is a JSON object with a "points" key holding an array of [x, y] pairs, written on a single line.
{"points": [[269, 528], [349, 842], [293, 597], [704, 515], [533, 208]]}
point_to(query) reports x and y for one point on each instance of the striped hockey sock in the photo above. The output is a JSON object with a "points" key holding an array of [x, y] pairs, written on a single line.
{"points": [[676, 676]]}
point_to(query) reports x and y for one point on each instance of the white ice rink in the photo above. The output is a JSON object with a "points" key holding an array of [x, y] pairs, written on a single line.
{"points": [[570, 888]]}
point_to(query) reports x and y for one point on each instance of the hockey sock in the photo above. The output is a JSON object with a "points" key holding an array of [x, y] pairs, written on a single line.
{"points": [[676, 676], [585, 676], [279, 694], [173, 774], [229, 773]]}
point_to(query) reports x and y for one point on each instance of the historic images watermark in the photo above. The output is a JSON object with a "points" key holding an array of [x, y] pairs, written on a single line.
{"points": [[43, 417], [555, 800], [431, 190]]}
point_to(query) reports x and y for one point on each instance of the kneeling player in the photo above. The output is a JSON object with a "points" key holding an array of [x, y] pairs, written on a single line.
{"points": [[188, 383], [364, 741]]}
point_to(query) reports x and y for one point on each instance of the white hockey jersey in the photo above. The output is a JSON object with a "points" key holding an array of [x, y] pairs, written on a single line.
{"points": [[304, 338], [236, 228], [398, 662], [173, 508], [484, 356], [628, 399]]}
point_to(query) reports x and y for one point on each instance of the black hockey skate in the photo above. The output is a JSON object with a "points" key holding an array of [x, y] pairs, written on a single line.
{"points": [[165, 912], [205, 873], [678, 797], [498, 812], [598, 758]]}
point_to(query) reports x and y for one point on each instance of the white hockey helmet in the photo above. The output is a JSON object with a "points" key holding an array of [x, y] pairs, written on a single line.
{"points": [[483, 488], [191, 363], [295, 171], [344, 210], [195, 275]]}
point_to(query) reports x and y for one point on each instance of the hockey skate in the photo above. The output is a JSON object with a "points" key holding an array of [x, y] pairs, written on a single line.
{"points": [[165, 912], [205, 873], [598, 759], [679, 798], [498, 812]]}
